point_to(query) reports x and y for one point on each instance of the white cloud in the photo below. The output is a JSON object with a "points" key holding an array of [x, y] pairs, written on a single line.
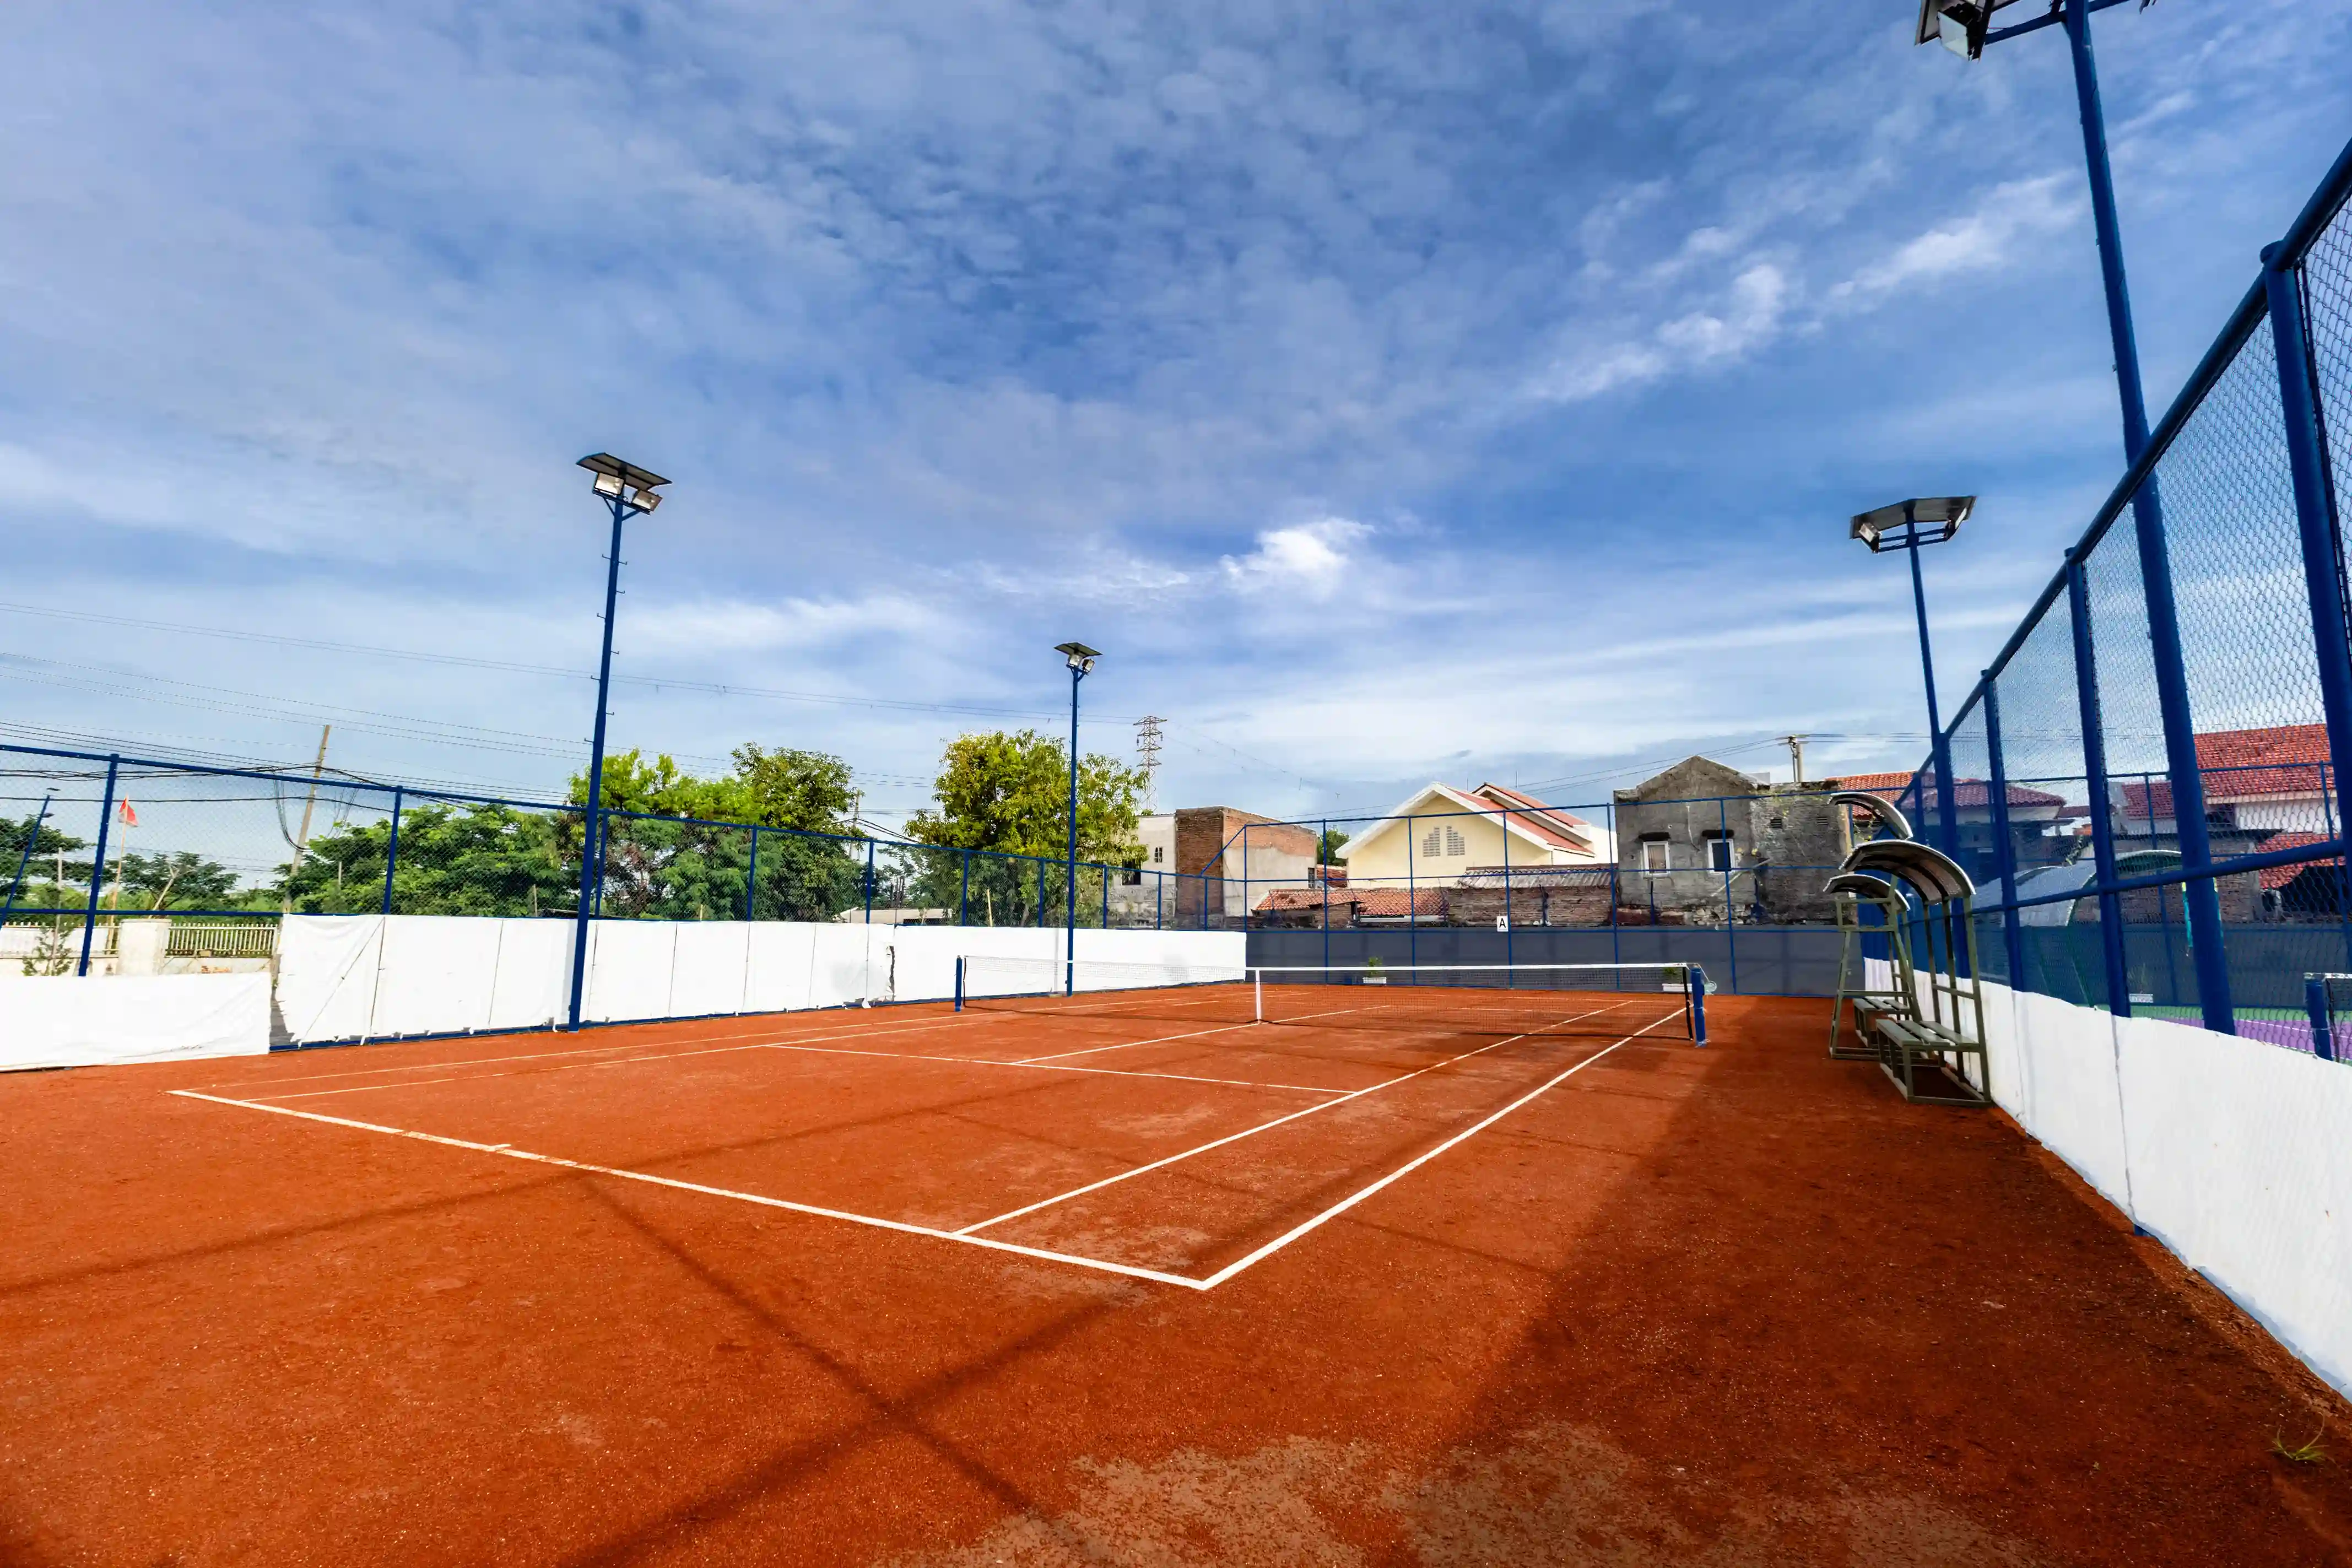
{"points": [[1308, 559], [1980, 241]]}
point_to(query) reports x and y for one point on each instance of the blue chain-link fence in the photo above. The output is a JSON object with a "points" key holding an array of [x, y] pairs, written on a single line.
{"points": [[2156, 821]]}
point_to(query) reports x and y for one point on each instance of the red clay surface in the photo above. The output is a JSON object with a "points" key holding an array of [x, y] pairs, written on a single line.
{"points": [[1730, 1306]]}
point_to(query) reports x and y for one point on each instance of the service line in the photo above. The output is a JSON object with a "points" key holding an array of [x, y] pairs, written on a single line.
{"points": [[508, 1151], [1344, 1205], [1280, 1120]]}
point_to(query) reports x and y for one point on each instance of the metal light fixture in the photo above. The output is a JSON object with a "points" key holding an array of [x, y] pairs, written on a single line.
{"points": [[1963, 25], [615, 479], [1930, 520], [1081, 657]]}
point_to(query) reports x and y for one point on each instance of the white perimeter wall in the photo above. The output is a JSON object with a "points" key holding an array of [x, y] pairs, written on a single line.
{"points": [[372, 976], [2235, 1153], [58, 1021]]}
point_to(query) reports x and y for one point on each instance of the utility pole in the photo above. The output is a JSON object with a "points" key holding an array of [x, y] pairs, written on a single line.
{"points": [[1796, 744], [1147, 757], [302, 838]]}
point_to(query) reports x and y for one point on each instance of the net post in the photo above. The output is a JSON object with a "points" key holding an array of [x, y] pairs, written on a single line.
{"points": [[1257, 995], [2315, 1005], [959, 983], [1694, 983]]}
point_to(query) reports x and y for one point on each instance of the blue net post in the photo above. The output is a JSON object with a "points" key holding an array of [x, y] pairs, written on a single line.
{"points": [[98, 863], [1695, 981], [959, 983], [392, 848]]}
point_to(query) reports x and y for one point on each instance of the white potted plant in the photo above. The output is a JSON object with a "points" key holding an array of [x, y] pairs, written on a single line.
{"points": [[1374, 973]]}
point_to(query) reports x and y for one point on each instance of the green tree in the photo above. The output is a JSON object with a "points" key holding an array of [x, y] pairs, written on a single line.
{"points": [[454, 860], [185, 880], [1008, 795], [40, 888], [1012, 792], [1326, 849], [657, 866]]}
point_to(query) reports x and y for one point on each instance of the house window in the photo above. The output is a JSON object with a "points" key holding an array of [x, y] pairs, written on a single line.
{"points": [[1453, 844], [1159, 853], [1429, 843], [1719, 851], [1653, 853]]}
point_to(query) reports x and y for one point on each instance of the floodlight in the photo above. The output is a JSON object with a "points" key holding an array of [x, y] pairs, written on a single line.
{"points": [[614, 476], [1924, 520], [645, 500], [1081, 657]]}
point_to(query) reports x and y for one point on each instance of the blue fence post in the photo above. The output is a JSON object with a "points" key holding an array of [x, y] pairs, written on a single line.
{"points": [[1041, 893], [98, 863], [2307, 459], [1730, 915], [1106, 898], [1503, 820], [392, 847], [2094, 783], [963, 887], [24, 858], [1323, 837], [1412, 898], [2013, 934], [751, 878], [869, 881], [1159, 901]]}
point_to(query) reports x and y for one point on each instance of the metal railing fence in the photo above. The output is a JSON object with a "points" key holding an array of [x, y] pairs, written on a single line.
{"points": [[89, 840]]}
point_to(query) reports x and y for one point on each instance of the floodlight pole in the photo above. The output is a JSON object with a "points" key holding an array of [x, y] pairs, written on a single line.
{"points": [[2201, 900], [1070, 867], [1939, 744], [591, 840]]}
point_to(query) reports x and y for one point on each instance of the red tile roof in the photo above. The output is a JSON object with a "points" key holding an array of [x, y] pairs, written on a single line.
{"points": [[1967, 792], [1374, 903], [2279, 876]]}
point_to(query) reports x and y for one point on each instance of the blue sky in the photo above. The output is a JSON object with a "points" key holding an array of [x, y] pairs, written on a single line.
{"points": [[1393, 392]]}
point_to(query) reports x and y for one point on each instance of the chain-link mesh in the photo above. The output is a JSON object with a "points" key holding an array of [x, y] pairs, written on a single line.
{"points": [[2327, 332], [2042, 751]]}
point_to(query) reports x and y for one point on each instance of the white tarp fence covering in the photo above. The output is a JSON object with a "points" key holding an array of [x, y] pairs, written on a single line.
{"points": [[58, 1021], [2235, 1153], [375, 976]]}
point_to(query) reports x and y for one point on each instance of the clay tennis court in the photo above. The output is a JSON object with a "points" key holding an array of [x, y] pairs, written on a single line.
{"points": [[1132, 1278]]}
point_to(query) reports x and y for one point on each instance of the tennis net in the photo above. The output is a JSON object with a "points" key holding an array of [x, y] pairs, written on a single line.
{"points": [[987, 982], [1666, 1001], [1662, 1001]]}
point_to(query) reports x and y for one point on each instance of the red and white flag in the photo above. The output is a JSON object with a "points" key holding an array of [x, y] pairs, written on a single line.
{"points": [[129, 817]]}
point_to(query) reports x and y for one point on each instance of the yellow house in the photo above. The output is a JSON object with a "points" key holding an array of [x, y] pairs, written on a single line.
{"points": [[1442, 834]]}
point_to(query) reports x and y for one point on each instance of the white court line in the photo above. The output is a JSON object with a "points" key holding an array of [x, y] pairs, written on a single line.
{"points": [[1163, 1039], [508, 1151], [542, 1056], [1277, 1121], [891, 1028], [1344, 1205], [1038, 1067], [1124, 1045]]}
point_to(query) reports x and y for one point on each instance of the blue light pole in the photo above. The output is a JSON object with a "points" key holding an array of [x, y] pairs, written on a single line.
{"points": [[1081, 659], [628, 491], [1910, 526], [1964, 27]]}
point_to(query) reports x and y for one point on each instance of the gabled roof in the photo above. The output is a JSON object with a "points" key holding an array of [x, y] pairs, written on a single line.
{"points": [[1523, 816], [1564, 828]]}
